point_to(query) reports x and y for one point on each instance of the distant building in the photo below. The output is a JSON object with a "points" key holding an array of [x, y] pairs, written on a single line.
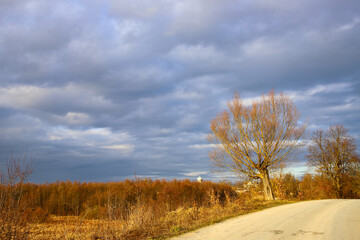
{"points": [[249, 184], [199, 179]]}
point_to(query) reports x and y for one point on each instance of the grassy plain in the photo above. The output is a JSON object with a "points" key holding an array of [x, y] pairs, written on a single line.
{"points": [[145, 222]]}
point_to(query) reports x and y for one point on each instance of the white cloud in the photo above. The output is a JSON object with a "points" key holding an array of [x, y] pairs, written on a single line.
{"points": [[203, 146], [120, 147], [353, 105], [319, 89], [249, 101], [329, 88], [194, 174], [29, 97], [21, 96], [348, 26], [94, 137], [128, 148], [104, 133]]}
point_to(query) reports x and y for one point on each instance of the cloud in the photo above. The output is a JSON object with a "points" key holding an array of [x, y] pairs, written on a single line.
{"points": [[134, 84], [69, 105], [194, 174], [52, 98], [120, 147], [320, 89], [348, 26], [262, 47], [329, 88], [74, 118], [94, 137], [203, 146]]}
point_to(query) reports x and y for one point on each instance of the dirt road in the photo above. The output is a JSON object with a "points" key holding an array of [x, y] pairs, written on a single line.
{"points": [[320, 219]]}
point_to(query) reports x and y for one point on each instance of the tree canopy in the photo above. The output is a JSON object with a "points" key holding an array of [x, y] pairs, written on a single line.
{"points": [[333, 154], [250, 139]]}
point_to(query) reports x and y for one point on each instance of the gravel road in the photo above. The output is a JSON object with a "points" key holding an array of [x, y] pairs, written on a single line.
{"points": [[321, 219]]}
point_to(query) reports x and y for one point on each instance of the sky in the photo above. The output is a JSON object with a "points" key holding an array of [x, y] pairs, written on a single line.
{"points": [[104, 90]]}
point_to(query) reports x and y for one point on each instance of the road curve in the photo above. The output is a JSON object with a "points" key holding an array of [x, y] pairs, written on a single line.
{"points": [[320, 219]]}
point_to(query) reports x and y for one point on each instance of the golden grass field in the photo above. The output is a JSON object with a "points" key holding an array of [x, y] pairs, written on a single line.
{"points": [[72, 227], [132, 210], [143, 223]]}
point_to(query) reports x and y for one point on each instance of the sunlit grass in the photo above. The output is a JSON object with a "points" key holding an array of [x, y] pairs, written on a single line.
{"points": [[146, 222]]}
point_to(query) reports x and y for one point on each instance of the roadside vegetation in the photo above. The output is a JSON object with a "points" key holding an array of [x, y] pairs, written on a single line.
{"points": [[147, 209], [132, 209], [138, 209]]}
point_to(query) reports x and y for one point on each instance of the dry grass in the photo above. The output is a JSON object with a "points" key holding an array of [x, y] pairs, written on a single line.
{"points": [[72, 227], [146, 221]]}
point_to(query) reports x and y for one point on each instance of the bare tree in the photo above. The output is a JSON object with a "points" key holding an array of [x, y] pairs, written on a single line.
{"points": [[333, 153], [13, 222], [252, 139]]}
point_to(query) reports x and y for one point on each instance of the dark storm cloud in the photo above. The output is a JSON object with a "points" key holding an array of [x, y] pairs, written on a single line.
{"points": [[99, 90]]}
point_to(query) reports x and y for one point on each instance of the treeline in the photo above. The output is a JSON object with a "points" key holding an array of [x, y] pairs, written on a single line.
{"points": [[93, 200]]}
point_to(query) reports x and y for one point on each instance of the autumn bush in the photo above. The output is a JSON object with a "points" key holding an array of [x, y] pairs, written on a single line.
{"points": [[115, 200], [286, 186], [317, 186], [37, 215]]}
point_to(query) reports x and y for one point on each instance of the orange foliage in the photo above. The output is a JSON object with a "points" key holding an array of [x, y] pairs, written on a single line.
{"points": [[93, 200], [315, 187]]}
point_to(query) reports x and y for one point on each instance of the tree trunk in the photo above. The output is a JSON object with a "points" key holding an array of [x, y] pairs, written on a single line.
{"points": [[268, 192], [338, 187]]}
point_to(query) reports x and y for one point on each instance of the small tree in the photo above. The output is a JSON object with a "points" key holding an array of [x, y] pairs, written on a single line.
{"points": [[13, 222], [286, 186], [252, 139], [333, 154], [315, 187]]}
